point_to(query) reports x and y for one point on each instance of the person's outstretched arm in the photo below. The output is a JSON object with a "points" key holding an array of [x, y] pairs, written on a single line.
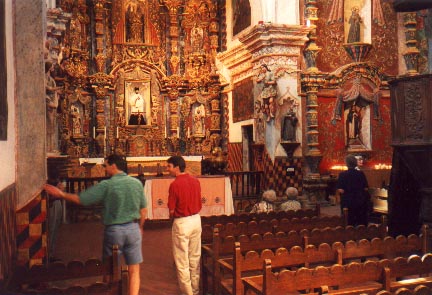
{"points": [[58, 193]]}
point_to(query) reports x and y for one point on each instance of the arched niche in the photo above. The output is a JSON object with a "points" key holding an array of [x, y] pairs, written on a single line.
{"points": [[136, 124]]}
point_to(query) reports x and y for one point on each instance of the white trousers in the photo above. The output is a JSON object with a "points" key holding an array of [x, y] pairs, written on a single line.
{"points": [[186, 239]]}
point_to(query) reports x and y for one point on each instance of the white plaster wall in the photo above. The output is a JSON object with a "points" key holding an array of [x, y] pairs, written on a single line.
{"points": [[287, 12], [7, 148], [274, 11]]}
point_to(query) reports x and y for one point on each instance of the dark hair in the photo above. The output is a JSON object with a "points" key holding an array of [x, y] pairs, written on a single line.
{"points": [[136, 88], [177, 161], [120, 162], [351, 161]]}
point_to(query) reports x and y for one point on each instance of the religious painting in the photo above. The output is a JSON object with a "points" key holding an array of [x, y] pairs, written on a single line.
{"points": [[137, 102], [3, 71], [243, 100], [241, 15]]}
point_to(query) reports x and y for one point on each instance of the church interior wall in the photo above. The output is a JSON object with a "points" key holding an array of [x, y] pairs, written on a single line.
{"points": [[29, 28]]}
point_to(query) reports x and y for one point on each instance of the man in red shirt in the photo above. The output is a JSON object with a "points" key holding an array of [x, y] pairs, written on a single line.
{"points": [[184, 204]]}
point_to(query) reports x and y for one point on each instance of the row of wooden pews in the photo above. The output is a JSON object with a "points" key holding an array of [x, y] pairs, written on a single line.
{"points": [[41, 279], [241, 258], [368, 277], [250, 263], [218, 239]]}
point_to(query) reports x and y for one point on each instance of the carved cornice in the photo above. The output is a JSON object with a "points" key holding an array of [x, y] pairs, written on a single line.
{"points": [[271, 35]]}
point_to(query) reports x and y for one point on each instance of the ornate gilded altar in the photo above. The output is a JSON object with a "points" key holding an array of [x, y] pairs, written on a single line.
{"points": [[138, 77]]}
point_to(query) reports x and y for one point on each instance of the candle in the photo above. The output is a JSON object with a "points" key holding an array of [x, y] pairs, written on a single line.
{"points": [[165, 132], [105, 133], [188, 132], [117, 133], [308, 23], [178, 132], [94, 132]]}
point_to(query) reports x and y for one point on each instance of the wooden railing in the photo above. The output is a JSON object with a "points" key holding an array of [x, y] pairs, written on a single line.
{"points": [[246, 188]]}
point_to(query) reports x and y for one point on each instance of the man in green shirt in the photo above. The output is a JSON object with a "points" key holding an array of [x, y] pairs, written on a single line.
{"points": [[124, 213]]}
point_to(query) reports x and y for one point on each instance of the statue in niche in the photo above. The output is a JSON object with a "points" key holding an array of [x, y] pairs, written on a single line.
{"points": [[197, 39], [75, 30], [354, 29], [52, 103], [134, 24], [198, 120], [353, 124], [76, 121], [269, 91], [289, 125], [138, 114], [259, 123]]}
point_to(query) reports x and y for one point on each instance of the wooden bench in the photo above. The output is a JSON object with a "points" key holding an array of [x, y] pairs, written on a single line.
{"points": [[408, 272], [274, 225], [246, 217], [419, 290], [357, 278], [58, 271], [224, 246], [339, 252]]}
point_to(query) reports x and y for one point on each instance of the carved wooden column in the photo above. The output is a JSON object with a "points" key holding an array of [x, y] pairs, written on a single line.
{"points": [[411, 54], [311, 80], [173, 9], [101, 82]]}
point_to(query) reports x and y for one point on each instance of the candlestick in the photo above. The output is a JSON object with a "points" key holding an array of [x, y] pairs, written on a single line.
{"points": [[117, 132]]}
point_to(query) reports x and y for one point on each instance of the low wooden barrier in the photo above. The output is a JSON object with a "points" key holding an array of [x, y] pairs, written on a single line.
{"points": [[36, 279]]}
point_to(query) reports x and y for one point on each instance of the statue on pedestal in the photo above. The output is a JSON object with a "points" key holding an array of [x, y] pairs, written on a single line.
{"points": [[289, 125]]}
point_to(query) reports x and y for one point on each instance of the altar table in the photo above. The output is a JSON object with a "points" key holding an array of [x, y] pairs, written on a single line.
{"points": [[216, 196]]}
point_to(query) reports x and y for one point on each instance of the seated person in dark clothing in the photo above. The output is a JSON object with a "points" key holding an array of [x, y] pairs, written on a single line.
{"points": [[352, 185]]}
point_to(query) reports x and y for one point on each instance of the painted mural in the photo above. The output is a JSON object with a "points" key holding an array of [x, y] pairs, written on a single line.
{"points": [[243, 100]]}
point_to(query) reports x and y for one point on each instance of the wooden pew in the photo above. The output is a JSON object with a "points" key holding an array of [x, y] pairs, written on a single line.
{"points": [[408, 272], [274, 225], [312, 255], [419, 290], [58, 271], [361, 278], [224, 246], [246, 217]]}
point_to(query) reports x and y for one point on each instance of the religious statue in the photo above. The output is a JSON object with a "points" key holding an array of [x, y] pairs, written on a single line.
{"points": [[289, 124], [75, 30], [76, 121], [138, 114], [259, 123], [198, 120], [52, 102], [354, 30], [353, 123], [269, 91], [197, 39], [134, 25]]}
